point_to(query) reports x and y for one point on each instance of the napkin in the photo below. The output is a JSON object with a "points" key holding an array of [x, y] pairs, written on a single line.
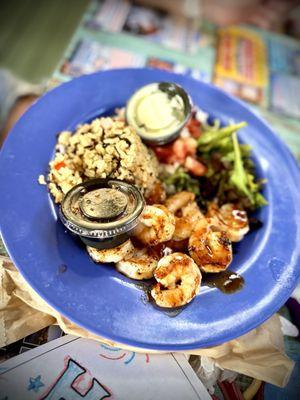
{"points": [[258, 354]]}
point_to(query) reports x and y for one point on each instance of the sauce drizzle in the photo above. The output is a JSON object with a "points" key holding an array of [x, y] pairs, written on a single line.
{"points": [[226, 281]]}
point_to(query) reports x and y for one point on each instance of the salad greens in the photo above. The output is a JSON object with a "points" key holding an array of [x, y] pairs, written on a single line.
{"points": [[230, 175], [181, 180], [238, 176], [218, 138], [233, 175]]}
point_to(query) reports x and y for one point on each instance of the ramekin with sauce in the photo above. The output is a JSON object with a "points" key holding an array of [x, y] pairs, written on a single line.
{"points": [[102, 212], [159, 111]]}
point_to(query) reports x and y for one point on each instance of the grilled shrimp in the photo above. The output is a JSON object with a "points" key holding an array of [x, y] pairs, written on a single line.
{"points": [[157, 225], [111, 255], [230, 219], [179, 200], [184, 203], [178, 280], [140, 265], [185, 224], [210, 247]]}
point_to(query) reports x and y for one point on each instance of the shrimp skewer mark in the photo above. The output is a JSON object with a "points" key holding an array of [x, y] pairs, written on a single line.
{"points": [[178, 280], [210, 247]]}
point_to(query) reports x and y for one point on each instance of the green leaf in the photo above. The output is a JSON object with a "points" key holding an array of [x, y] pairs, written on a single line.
{"points": [[218, 138], [181, 180], [238, 176]]}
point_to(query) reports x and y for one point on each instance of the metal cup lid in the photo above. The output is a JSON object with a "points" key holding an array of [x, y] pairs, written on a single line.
{"points": [[101, 208]]}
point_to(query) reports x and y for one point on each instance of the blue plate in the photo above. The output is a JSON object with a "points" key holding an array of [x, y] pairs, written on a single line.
{"points": [[97, 297]]}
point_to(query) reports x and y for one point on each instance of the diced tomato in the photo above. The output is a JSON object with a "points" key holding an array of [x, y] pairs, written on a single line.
{"points": [[194, 127], [177, 151], [173, 152], [194, 166], [191, 145], [165, 154], [59, 165], [193, 121], [180, 149]]}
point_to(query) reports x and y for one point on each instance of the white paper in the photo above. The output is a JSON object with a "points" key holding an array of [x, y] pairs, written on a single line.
{"points": [[72, 368]]}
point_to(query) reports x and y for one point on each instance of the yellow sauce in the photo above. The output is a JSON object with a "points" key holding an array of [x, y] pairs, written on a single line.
{"points": [[156, 113]]}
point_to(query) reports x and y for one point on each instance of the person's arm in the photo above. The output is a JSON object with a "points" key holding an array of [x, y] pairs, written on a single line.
{"points": [[16, 96], [17, 110]]}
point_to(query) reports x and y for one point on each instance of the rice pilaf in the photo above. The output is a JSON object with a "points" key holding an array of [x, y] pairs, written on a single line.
{"points": [[106, 147]]}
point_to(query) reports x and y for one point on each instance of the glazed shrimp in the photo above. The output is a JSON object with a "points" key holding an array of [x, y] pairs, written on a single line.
{"points": [[111, 255], [185, 224], [179, 200], [140, 265], [210, 247], [230, 219], [184, 203], [178, 280], [157, 225]]}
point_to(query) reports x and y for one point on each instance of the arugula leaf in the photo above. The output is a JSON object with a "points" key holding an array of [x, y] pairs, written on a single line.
{"points": [[219, 138], [243, 180], [238, 176], [236, 179], [255, 187]]}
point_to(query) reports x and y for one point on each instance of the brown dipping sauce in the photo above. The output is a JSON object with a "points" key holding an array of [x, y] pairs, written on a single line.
{"points": [[227, 281]]}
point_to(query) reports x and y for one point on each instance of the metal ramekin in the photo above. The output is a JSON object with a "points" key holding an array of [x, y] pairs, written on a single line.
{"points": [[102, 212]]}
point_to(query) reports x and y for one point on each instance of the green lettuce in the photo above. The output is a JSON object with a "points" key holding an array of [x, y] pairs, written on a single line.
{"points": [[182, 180], [237, 178]]}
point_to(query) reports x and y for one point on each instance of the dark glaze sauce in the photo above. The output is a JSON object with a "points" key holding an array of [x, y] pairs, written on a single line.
{"points": [[62, 268], [147, 298], [159, 249], [171, 312], [175, 246], [227, 281]]}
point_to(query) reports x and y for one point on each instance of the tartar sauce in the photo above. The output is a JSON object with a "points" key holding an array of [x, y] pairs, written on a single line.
{"points": [[158, 111]]}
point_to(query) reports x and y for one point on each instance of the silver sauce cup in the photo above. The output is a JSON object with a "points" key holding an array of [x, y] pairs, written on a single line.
{"points": [[102, 212], [180, 114]]}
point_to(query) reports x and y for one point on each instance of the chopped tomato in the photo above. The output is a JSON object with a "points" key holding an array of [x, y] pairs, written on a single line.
{"points": [[165, 154], [194, 166], [173, 152], [177, 151], [180, 149], [194, 127], [59, 165], [191, 145]]}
